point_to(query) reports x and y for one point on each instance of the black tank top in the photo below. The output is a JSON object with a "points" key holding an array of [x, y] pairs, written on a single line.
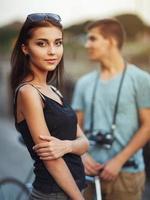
{"points": [[61, 121]]}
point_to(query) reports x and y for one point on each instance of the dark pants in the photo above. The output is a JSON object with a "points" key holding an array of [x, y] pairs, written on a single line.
{"points": [[36, 195]]}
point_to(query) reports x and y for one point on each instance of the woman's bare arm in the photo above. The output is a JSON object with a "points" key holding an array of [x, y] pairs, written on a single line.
{"points": [[53, 148]]}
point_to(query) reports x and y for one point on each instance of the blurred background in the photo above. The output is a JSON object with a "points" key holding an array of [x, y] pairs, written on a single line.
{"points": [[133, 14]]}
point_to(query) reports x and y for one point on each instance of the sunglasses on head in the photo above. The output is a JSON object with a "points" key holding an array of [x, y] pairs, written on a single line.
{"points": [[36, 17]]}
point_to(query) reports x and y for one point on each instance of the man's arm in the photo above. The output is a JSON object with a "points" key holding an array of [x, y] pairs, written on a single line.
{"points": [[80, 117], [91, 167], [141, 137]]}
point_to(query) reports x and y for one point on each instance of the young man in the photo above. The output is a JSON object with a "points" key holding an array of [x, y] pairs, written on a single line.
{"points": [[117, 156]]}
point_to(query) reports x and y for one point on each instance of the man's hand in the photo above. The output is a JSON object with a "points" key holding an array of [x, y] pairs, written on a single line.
{"points": [[111, 169], [51, 148], [90, 165]]}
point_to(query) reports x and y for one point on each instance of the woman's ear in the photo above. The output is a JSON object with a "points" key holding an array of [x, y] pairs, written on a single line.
{"points": [[24, 49]]}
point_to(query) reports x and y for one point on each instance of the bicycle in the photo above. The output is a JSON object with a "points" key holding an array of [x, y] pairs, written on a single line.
{"points": [[13, 189]]}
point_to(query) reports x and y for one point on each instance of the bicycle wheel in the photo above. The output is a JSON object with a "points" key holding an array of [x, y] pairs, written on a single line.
{"points": [[13, 189]]}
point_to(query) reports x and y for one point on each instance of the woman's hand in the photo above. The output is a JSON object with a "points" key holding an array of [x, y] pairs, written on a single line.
{"points": [[52, 148]]}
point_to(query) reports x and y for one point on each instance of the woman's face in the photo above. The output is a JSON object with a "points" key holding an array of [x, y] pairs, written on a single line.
{"points": [[45, 48]]}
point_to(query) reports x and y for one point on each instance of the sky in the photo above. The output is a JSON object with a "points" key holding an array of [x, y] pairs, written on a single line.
{"points": [[72, 11]]}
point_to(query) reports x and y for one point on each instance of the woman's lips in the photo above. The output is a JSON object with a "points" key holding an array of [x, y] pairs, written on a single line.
{"points": [[51, 61]]}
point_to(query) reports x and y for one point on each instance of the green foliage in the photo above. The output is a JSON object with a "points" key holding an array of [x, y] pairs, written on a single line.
{"points": [[7, 36], [132, 24], [77, 29]]}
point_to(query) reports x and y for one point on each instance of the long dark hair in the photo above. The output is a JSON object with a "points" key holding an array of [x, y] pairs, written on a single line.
{"points": [[20, 62]]}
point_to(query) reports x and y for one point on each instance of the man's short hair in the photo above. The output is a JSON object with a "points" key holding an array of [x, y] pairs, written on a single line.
{"points": [[110, 28]]}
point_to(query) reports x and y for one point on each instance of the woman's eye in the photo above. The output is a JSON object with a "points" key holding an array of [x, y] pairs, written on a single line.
{"points": [[59, 43], [41, 44]]}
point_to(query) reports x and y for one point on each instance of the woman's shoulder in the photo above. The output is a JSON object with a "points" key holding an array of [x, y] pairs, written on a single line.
{"points": [[27, 92]]}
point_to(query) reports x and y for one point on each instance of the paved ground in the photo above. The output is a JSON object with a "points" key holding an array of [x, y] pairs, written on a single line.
{"points": [[14, 158]]}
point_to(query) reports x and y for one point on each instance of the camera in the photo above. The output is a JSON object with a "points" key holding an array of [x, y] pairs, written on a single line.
{"points": [[104, 139]]}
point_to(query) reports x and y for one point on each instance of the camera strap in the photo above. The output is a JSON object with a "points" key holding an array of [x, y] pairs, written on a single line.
{"points": [[113, 127]]}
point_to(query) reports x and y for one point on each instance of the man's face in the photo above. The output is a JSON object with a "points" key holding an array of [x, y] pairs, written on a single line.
{"points": [[97, 46]]}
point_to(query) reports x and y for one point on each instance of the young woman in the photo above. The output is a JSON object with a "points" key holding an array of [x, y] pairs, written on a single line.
{"points": [[41, 112]]}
